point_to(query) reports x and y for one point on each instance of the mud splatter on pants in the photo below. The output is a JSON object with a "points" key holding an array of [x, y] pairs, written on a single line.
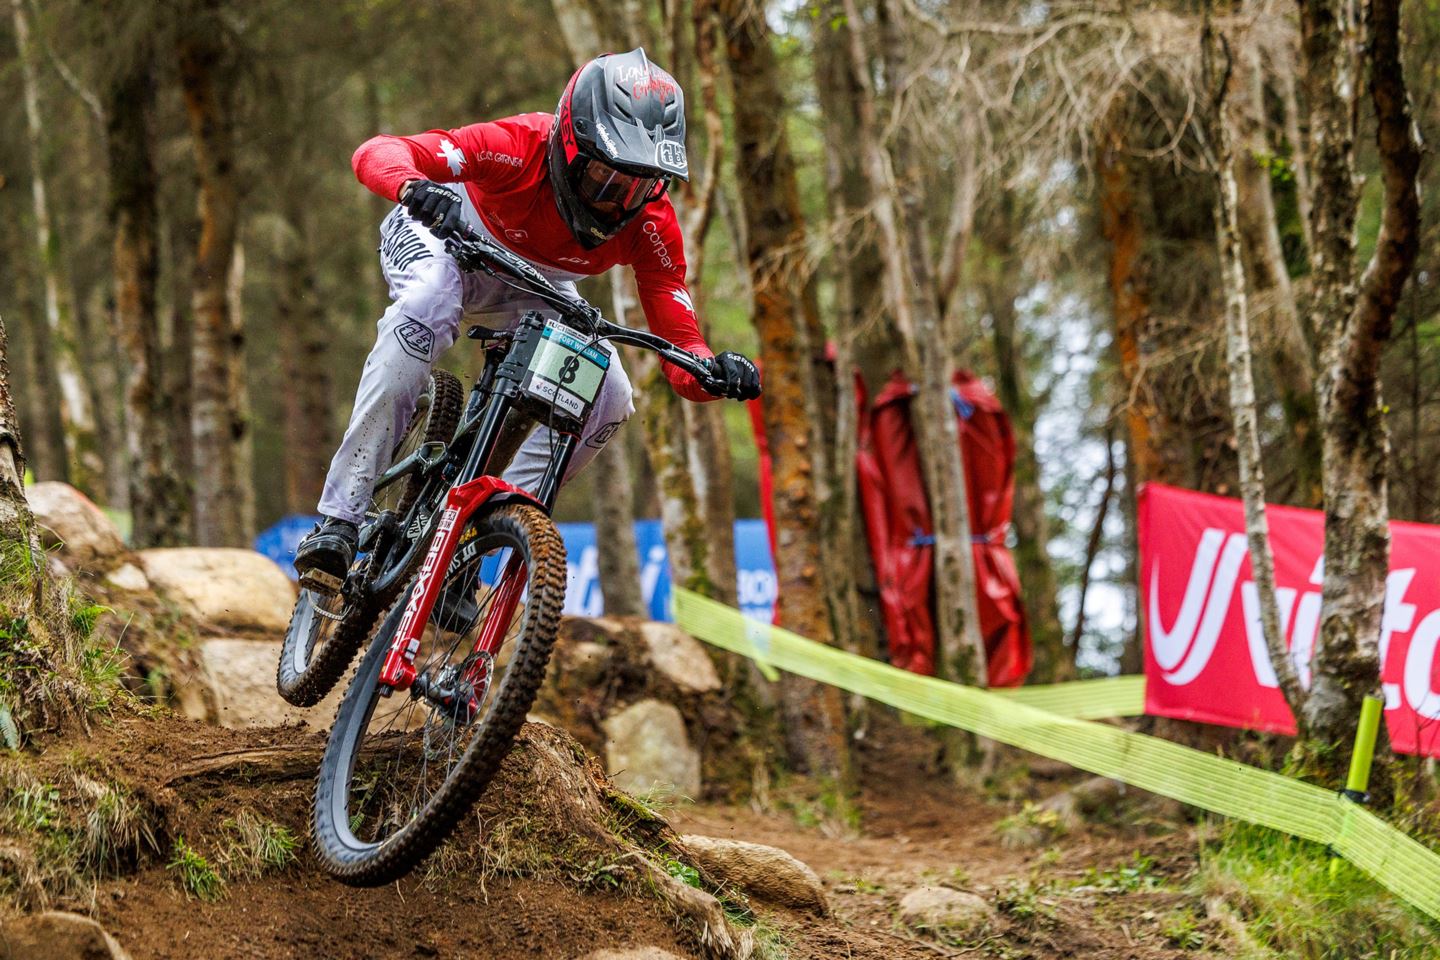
{"points": [[430, 296]]}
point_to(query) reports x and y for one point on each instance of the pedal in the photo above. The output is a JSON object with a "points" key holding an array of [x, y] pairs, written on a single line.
{"points": [[325, 584]]}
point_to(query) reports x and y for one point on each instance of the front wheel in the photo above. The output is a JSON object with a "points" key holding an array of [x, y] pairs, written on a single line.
{"points": [[401, 770]]}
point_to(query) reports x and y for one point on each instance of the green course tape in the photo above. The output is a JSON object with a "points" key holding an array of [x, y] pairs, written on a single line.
{"points": [[1407, 868], [1083, 699]]}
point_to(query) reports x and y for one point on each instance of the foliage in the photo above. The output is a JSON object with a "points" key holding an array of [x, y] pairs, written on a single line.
{"points": [[256, 846], [1297, 902], [194, 873]]}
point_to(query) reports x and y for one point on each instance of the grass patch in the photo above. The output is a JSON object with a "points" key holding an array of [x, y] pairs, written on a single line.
{"points": [[54, 669], [194, 874], [1031, 826], [1131, 877], [1283, 892], [256, 846]]}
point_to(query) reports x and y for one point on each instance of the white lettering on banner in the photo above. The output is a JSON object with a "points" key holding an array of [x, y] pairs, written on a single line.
{"points": [[1184, 648]]}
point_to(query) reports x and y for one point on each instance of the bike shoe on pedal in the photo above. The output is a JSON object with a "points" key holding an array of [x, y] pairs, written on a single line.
{"points": [[324, 556]]}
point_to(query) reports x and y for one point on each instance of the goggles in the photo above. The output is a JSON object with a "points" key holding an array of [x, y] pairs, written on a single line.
{"points": [[612, 193]]}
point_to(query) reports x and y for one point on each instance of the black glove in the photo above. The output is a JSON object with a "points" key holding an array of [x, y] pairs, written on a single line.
{"points": [[439, 208], [735, 377]]}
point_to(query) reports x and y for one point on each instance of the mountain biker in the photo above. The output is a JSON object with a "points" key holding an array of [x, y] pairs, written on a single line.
{"points": [[574, 194]]}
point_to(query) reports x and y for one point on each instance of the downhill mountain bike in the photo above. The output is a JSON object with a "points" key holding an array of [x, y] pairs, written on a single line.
{"points": [[479, 570]]}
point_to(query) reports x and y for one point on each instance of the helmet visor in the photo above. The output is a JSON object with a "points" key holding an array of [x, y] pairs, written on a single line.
{"points": [[611, 193]]}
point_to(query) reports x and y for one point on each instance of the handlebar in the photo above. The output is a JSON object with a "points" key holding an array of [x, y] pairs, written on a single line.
{"points": [[475, 252]]}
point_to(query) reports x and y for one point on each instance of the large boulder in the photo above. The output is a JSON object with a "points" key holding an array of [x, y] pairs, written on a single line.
{"points": [[646, 748], [70, 521], [679, 657], [766, 873], [230, 588], [57, 936], [945, 913], [235, 687]]}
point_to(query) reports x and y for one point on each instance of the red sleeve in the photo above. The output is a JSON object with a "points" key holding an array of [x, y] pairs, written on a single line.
{"points": [[490, 154], [658, 259]]}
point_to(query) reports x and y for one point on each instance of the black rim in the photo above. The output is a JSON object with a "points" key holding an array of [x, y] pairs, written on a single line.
{"points": [[400, 752]]}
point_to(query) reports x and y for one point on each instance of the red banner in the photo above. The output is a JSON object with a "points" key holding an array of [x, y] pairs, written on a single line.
{"points": [[1205, 656]]}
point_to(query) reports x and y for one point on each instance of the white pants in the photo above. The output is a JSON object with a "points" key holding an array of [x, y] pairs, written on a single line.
{"points": [[431, 295]]}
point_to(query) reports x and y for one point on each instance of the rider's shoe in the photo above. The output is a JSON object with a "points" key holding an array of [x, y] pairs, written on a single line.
{"points": [[324, 556]]}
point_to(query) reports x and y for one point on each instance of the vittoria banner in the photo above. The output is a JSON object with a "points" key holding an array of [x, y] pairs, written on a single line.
{"points": [[1205, 656]]}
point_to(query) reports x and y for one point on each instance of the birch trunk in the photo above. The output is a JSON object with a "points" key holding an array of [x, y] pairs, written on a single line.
{"points": [[1243, 408], [1353, 322], [910, 292], [1287, 343], [813, 715], [220, 416], [75, 410]]}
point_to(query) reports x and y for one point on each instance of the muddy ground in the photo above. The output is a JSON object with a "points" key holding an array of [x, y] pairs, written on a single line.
{"points": [[1105, 890]]}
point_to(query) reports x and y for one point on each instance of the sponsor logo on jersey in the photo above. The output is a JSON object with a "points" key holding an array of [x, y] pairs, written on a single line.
{"points": [[519, 236], [682, 297], [670, 155], [508, 159], [657, 243], [606, 139], [453, 156], [415, 339], [580, 260]]}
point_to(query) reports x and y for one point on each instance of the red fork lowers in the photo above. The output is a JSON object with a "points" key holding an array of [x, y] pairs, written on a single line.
{"points": [[507, 595], [398, 671]]}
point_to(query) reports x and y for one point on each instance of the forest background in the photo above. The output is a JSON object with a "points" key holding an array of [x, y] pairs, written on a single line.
{"points": [[1184, 242]]}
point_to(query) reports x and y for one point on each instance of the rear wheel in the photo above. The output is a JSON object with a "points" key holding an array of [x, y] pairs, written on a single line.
{"points": [[401, 770], [326, 629]]}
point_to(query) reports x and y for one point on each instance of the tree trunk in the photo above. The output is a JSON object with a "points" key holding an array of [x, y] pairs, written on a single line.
{"points": [[1032, 525], [305, 361], [15, 522], [1353, 326], [59, 314], [775, 232], [37, 390], [1121, 225], [910, 290], [220, 416], [615, 515], [1242, 391], [158, 499], [1286, 341]]}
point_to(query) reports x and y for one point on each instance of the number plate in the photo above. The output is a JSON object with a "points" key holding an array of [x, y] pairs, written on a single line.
{"points": [[567, 370]]}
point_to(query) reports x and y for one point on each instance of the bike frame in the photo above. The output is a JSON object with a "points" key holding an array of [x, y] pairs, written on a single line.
{"points": [[474, 489]]}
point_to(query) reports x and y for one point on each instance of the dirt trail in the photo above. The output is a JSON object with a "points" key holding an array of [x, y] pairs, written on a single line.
{"points": [[915, 829]]}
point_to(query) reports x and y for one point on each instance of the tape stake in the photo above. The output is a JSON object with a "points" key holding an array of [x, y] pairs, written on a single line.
{"points": [[1019, 718]]}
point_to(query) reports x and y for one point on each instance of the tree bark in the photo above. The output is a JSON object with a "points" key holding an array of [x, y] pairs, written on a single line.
{"points": [[615, 514], [775, 231], [305, 361], [15, 522], [1122, 227], [75, 410], [1287, 343], [158, 495], [220, 415], [1353, 324], [910, 291], [1001, 288], [37, 390], [1242, 391]]}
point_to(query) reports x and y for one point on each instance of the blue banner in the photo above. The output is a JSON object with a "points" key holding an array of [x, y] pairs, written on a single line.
{"points": [[755, 573]]}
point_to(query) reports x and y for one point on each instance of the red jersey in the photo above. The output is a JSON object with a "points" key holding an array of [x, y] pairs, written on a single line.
{"points": [[503, 167]]}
